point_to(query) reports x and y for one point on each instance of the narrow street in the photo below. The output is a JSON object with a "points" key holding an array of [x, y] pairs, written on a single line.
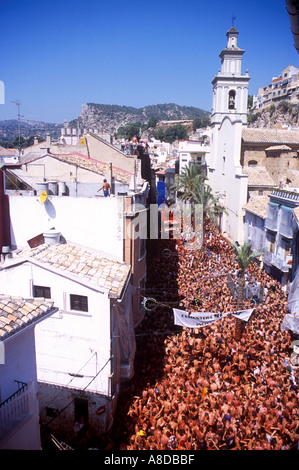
{"points": [[199, 388]]}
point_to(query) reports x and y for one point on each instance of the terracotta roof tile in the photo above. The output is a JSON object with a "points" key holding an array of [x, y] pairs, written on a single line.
{"points": [[82, 265], [258, 205], [16, 313], [258, 176], [93, 165], [271, 136]]}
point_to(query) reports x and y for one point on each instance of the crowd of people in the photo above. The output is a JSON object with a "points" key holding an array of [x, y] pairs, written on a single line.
{"points": [[203, 389]]}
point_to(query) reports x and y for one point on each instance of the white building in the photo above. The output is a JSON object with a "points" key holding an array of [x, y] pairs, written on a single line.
{"points": [[87, 347], [192, 152], [271, 225], [229, 117], [19, 401], [285, 87], [100, 230]]}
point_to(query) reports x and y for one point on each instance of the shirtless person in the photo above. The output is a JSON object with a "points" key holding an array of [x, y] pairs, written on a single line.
{"points": [[106, 188]]}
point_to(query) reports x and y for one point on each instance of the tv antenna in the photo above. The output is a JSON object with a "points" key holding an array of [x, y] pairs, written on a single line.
{"points": [[19, 122]]}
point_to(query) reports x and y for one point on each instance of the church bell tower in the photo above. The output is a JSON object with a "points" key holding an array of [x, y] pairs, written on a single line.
{"points": [[230, 87], [228, 119]]}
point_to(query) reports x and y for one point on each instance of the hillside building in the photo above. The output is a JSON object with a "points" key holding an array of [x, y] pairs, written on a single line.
{"points": [[284, 87]]}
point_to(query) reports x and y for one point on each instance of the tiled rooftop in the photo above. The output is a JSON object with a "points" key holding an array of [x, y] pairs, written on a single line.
{"points": [[94, 165], [17, 313], [278, 147], [80, 264], [258, 205], [270, 136], [89, 164], [258, 176]]}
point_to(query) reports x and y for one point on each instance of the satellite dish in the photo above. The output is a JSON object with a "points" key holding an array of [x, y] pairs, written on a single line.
{"points": [[43, 197]]}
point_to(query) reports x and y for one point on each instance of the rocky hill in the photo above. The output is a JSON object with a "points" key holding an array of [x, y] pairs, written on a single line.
{"points": [[108, 118], [284, 114], [9, 129]]}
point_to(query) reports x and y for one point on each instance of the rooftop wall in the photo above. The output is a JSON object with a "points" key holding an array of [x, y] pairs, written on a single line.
{"points": [[93, 222]]}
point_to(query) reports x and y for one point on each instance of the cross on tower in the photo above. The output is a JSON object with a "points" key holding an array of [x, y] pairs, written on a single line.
{"points": [[233, 19]]}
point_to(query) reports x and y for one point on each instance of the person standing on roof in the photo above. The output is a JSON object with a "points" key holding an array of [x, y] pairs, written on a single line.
{"points": [[106, 188]]}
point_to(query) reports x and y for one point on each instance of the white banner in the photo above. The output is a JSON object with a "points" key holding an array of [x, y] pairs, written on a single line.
{"points": [[199, 319]]}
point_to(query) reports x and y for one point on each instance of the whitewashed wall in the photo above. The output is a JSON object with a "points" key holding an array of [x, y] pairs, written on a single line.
{"points": [[92, 222], [20, 364], [68, 339]]}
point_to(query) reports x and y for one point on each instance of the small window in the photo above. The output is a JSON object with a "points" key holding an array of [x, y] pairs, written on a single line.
{"points": [[231, 99], [42, 291], [81, 410], [142, 248], [79, 302]]}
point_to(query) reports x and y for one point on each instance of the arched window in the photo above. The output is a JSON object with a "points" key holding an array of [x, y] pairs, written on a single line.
{"points": [[231, 99], [252, 163]]}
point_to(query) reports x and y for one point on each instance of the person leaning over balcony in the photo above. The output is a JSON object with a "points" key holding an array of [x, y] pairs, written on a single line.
{"points": [[106, 188]]}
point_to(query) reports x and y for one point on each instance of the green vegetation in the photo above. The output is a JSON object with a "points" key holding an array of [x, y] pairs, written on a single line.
{"points": [[129, 131], [170, 134], [283, 106], [188, 181], [20, 143], [252, 116], [244, 256], [190, 185], [200, 122]]}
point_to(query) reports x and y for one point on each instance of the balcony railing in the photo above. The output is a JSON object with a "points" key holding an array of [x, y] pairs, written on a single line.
{"points": [[16, 409], [279, 263]]}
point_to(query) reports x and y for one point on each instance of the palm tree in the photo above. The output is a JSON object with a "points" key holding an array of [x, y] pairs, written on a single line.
{"points": [[186, 182], [244, 256], [211, 207]]}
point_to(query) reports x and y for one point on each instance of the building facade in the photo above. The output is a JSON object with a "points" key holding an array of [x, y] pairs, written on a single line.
{"points": [[19, 401], [87, 347], [285, 87]]}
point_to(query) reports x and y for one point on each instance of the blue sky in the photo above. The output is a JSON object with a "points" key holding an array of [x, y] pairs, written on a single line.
{"points": [[57, 55]]}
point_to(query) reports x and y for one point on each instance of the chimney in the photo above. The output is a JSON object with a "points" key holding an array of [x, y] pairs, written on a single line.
{"points": [[108, 173], [48, 142]]}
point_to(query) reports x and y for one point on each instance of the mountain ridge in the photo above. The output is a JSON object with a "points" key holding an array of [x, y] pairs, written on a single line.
{"points": [[109, 118], [105, 118]]}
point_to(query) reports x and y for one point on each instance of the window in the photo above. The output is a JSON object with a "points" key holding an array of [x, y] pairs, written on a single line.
{"points": [[142, 247], [252, 163], [287, 250], [271, 242], [231, 99], [81, 410], [42, 291], [79, 302]]}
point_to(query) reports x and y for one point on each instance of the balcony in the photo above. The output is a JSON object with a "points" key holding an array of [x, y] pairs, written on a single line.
{"points": [[16, 409], [271, 259]]}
